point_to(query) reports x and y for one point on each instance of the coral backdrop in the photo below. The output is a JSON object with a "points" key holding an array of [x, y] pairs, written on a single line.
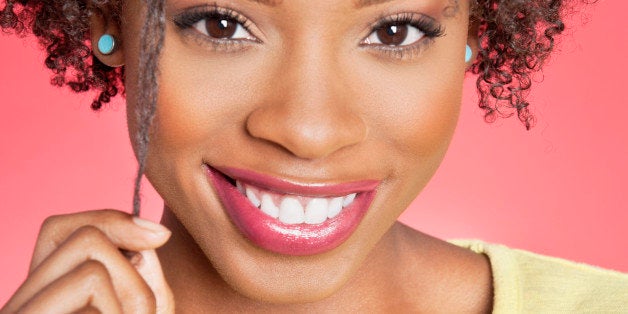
{"points": [[560, 189]]}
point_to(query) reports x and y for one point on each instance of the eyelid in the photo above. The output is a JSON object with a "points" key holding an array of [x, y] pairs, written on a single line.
{"points": [[190, 17], [429, 26], [426, 24], [239, 27], [415, 32]]}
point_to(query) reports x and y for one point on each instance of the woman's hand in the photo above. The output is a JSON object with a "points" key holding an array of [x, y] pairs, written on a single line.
{"points": [[80, 265]]}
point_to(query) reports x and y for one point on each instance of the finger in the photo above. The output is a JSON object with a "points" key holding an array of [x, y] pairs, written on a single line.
{"points": [[86, 286], [88, 310], [150, 269], [125, 231], [90, 243]]}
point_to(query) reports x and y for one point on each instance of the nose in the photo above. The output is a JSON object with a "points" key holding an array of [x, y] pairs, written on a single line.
{"points": [[311, 112]]}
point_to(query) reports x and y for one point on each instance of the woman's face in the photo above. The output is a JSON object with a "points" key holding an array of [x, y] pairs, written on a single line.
{"points": [[305, 104]]}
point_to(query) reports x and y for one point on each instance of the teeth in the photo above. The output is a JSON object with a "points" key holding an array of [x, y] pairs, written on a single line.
{"points": [[335, 206], [291, 211], [240, 187], [348, 200], [295, 209], [316, 211], [268, 206], [250, 194]]}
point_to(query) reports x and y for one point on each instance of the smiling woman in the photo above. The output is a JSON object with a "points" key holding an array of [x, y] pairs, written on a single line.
{"points": [[286, 139]]}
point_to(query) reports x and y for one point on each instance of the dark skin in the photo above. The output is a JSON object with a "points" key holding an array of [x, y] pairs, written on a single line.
{"points": [[340, 107]]}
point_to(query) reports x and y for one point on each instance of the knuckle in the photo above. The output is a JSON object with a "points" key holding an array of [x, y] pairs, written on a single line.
{"points": [[90, 238], [50, 224], [94, 272], [89, 234], [50, 220]]}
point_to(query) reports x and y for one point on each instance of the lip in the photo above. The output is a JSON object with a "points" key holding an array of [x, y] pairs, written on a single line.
{"points": [[273, 235]]}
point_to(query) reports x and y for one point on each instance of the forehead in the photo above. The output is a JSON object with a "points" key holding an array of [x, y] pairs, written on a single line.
{"points": [[357, 3], [452, 5], [447, 8]]}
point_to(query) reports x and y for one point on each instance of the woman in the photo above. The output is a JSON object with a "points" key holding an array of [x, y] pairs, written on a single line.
{"points": [[306, 100]]}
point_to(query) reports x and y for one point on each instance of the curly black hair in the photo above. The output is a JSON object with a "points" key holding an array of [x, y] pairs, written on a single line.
{"points": [[515, 39], [62, 28]]}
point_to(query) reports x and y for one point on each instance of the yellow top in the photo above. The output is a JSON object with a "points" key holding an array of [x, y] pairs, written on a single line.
{"points": [[525, 282]]}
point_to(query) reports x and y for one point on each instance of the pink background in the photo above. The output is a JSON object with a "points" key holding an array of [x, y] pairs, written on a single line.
{"points": [[560, 189]]}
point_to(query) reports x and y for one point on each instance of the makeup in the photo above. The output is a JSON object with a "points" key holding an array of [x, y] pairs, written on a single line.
{"points": [[297, 219]]}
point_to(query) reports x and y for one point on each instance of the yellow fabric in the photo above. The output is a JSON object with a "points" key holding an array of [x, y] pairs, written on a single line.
{"points": [[525, 282]]}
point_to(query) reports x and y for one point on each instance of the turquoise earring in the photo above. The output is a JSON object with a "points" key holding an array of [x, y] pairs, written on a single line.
{"points": [[468, 55], [106, 44]]}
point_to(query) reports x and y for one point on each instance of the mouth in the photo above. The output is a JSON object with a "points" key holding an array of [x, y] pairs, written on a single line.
{"points": [[288, 217]]}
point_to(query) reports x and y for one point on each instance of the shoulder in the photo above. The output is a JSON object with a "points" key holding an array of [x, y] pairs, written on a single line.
{"points": [[529, 282]]}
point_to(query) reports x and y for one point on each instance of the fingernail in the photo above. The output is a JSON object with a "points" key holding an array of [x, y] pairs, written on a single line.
{"points": [[151, 226]]}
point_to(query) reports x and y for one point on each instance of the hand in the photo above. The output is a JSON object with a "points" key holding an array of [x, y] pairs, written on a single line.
{"points": [[78, 266]]}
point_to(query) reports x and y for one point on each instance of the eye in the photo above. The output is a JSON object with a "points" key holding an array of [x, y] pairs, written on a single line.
{"points": [[218, 27], [222, 27], [395, 34], [404, 35]]}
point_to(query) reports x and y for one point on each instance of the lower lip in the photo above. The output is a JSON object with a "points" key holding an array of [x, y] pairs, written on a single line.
{"points": [[273, 235]]}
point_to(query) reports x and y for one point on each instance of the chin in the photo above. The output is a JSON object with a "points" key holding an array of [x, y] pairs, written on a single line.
{"points": [[272, 278], [250, 250]]}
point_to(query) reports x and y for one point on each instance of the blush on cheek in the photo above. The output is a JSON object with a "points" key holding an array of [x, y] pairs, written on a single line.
{"points": [[204, 98], [423, 121]]}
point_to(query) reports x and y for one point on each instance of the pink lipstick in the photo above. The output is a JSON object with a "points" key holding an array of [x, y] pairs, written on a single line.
{"points": [[289, 217]]}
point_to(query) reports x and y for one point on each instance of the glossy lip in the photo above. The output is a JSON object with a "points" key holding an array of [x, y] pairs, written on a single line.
{"points": [[273, 235]]}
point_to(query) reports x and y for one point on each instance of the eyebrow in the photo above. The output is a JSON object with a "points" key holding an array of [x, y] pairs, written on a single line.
{"points": [[358, 3], [365, 3], [451, 10], [270, 3]]}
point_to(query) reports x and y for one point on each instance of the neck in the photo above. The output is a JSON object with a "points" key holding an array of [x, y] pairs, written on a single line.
{"points": [[397, 273]]}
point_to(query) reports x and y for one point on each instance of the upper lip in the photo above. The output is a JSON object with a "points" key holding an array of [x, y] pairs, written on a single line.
{"points": [[291, 187]]}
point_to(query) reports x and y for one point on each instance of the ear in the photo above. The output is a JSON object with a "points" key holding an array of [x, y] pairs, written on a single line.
{"points": [[101, 23], [473, 40]]}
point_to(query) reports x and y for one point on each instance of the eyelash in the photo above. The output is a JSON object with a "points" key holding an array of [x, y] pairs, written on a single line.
{"points": [[427, 25], [186, 21]]}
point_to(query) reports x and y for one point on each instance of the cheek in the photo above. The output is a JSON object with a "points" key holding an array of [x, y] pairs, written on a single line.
{"points": [[201, 114], [415, 112], [425, 119], [201, 103]]}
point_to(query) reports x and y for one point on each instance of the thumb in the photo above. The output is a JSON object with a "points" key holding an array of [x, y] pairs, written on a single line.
{"points": [[150, 269], [123, 230]]}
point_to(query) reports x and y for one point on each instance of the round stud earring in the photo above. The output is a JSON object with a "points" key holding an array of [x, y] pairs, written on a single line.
{"points": [[468, 55], [106, 44]]}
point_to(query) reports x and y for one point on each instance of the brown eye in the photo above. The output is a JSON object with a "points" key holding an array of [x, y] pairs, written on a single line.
{"points": [[220, 27], [395, 34], [392, 35]]}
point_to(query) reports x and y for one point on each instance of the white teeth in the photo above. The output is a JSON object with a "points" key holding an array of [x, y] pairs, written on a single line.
{"points": [[240, 187], [316, 211], [335, 206], [348, 200], [268, 206], [291, 211], [252, 197]]}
